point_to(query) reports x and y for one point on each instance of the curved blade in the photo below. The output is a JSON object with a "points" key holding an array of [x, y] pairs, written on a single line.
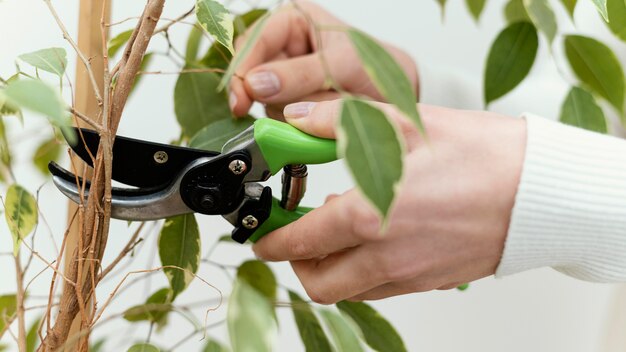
{"points": [[139, 163], [127, 204]]}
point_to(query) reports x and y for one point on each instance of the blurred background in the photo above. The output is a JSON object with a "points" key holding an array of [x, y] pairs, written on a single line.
{"points": [[540, 310]]}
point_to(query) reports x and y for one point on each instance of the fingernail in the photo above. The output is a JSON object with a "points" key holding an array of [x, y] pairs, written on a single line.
{"points": [[298, 110], [232, 100], [264, 83]]}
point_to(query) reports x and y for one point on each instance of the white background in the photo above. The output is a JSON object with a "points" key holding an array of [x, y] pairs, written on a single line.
{"points": [[535, 311]]}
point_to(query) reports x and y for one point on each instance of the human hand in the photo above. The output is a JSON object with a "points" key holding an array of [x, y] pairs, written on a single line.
{"points": [[447, 226], [284, 66]]}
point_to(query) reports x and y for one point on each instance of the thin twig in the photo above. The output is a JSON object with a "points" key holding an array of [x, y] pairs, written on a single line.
{"points": [[176, 20], [132, 242], [86, 119]]}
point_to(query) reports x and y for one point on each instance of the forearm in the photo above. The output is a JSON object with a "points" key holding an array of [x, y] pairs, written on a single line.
{"points": [[570, 209]]}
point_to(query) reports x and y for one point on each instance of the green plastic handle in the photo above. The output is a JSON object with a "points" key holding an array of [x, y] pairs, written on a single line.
{"points": [[282, 144], [279, 217]]}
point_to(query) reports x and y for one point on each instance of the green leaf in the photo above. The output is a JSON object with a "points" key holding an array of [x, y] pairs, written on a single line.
{"points": [[581, 110], [8, 307], [510, 59], [377, 331], [249, 43], [32, 339], [197, 103], [311, 331], [344, 337], [260, 277], [601, 6], [217, 21], [156, 308], [514, 11], [35, 95], [218, 56], [542, 15], [596, 66], [251, 323], [97, 346], [387, 75], [616, 10], [226, 238], [214, 346], [53, 60], [214, 135], [143, 347], [475, 7], [193, 44], [48, 151], [117, 42], [570, 6], [5, 152], [179, 245], [371, 147], [20, 213]]}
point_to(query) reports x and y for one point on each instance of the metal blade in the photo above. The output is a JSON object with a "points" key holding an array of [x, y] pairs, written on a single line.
{"points": [[140, 163], [127, 204]]}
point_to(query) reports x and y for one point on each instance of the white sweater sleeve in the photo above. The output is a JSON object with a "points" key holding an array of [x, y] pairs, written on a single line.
{"points": [[570, 208]]}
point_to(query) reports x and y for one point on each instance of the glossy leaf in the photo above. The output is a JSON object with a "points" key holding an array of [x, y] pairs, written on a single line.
{"points": [[251, 323], [475, 7], [214, 346], [570, 6], [514, 11], [179, 245], [8, 307], [616, 10], [48, 151], [601, 6], [311, 332], [119, 41], [196, 102], [371, 147], [214, 135], [143, 347], [510, 59], [377, 331], [581, 110], [5, 152], [156, 308], [53, 60], [193, 44], [596, 66], [249, 43], [217, 21], [36, 96], [20, 211], [218, 56], [32, 339], [260, 277], [387, 75], [344, 336], [542, 16]]}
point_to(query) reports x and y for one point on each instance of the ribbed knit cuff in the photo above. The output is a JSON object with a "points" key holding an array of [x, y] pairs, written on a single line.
{"points": [[570, 207]]}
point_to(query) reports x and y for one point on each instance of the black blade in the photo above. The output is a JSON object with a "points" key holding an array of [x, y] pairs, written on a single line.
{"points": [[139, 163]]}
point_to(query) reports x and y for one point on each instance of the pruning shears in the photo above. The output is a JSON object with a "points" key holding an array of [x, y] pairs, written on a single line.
{"points": [[166, 180]]}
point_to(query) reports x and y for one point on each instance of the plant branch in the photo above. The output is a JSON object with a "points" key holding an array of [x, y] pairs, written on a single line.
{"points": [[21, 322], [174, 21]]}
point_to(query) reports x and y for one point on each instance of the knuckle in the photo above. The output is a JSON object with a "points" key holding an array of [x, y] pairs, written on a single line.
{"points": [[319, 295]]}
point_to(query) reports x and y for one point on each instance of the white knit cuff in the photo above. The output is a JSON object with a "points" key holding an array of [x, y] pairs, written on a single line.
{"points": [[570, 208]]}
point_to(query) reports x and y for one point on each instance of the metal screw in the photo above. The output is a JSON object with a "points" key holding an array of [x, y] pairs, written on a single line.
{"points": [[237, 167], [160, 157], [250, 222]]}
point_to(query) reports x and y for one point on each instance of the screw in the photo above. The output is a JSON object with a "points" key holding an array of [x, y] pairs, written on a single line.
{"points": [[207, 202], [250, 222], [160, 157], [237, 167]]}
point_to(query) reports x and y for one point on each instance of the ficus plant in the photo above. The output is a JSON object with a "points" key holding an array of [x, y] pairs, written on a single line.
{"points": [[207, 61]]}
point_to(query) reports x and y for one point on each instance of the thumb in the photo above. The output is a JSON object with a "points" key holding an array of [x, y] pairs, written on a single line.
{"points": [[315, 118]]}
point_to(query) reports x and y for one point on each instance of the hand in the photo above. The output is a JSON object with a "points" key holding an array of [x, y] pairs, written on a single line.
{"points": [[447, 226], [284, 66]]}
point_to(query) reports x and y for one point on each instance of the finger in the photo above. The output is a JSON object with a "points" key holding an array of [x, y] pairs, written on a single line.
{"points": [[342, 275], [275, 111], [342, 223]]}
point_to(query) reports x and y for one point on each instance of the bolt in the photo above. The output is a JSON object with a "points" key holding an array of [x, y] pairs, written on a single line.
{"points": [[237, 167], [250, 222], [207, 202], [160, 157]]}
